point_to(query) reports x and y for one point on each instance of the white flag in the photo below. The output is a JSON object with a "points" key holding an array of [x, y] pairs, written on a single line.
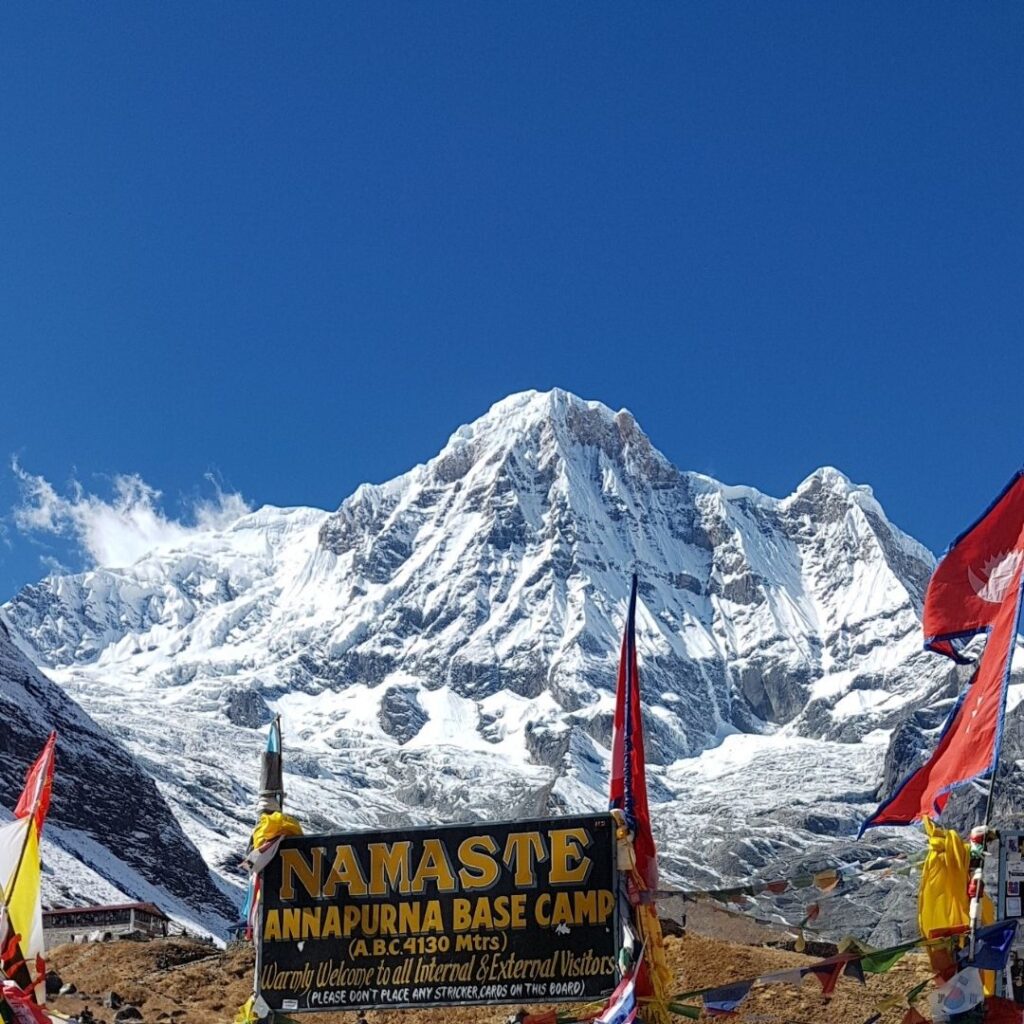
{"points": [[961, 993]]}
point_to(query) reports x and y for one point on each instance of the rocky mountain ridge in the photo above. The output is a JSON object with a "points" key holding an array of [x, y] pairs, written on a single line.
{"points": [[109, 836], [444, 646]]}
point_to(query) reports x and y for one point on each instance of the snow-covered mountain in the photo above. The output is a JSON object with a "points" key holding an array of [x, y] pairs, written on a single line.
{"points": [[444, 645], [110, 836]]}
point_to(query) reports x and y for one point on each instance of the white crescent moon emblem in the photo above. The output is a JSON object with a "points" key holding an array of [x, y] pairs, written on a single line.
{"points": [[1000, 572], [977, 584]]}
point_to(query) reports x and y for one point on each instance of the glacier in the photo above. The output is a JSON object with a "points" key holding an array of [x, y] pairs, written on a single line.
{"points": [[444, 645]]}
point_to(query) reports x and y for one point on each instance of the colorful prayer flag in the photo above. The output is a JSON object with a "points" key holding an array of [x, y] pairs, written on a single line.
{"points": [[961, 993], [976, 588], [854, 969], [682, 1010], [992, 946], [628, 794], [1002, 1011], [727, 998], [628, 790], [35, 798], [912, 1016], [828, 973], [23, 1009], [826, 881], [621, 1008], [883, 960], [21, 944], [791, 977]]}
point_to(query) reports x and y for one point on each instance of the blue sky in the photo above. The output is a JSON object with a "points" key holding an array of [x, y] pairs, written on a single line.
{"points": [[294, 246]]}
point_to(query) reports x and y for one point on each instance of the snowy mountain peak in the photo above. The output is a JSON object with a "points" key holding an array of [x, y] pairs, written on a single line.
{"points": [[544, 425], [830, 486], [828, 478], [445, 644], [521, 411]]}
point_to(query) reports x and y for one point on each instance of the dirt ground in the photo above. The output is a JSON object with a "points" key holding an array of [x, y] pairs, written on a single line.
{"points": [[187, 982]]}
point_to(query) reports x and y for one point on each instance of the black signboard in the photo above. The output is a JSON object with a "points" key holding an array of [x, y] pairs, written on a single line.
{"points": [[442, 916]]}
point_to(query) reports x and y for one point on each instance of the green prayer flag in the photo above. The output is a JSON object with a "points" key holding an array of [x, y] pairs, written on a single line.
{"points": [[916, 991], [883, 960], [691, 994], [680, 1010]]}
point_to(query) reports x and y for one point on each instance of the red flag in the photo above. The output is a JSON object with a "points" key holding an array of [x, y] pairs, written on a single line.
{"points": [[23, 1009], [35, 798], [913, 1016], [1002, 1011], [828, 974], [629, 780], [976, 588]]}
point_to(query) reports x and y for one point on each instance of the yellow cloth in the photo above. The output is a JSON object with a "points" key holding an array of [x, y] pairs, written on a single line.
{"points": [[942, 900], [246, 1014], [273, 826], [649, 927], [20, 875]]}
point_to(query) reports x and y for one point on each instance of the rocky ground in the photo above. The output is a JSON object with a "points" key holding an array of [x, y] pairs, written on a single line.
{"points": [[180, 980]]}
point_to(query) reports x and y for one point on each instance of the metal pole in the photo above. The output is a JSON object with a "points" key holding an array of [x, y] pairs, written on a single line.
{"points": [[271, 797], [979, 851]]}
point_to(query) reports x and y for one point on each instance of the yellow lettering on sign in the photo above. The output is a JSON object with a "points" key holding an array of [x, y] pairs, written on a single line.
{"points": [[434, 867], [522, 852], [389, 867], [585, 906], [291, 923], [542, 909], [351, 913], [432, 919], [462, 914], [501, 912], [568, 865], [562, 912], [345, 871], [409, 918], [295, 866], [518, 910], [311, 922], [479, 869], [332, 923]]}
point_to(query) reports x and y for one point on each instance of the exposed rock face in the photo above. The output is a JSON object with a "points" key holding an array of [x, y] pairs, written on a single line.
{"points": [[247, 708], [915, 737], [106, 812], [400, 714], [445, 645]]}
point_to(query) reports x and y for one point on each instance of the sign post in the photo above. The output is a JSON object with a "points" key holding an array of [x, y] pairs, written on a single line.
{"points": [[441, 916], [1010, 893]]}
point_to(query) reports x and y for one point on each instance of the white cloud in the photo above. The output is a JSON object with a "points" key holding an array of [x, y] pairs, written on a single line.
{"points": [[118, 531], [54, 566]]}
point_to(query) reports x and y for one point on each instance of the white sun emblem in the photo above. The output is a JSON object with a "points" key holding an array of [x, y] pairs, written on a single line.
{"points": [[996, 576]]}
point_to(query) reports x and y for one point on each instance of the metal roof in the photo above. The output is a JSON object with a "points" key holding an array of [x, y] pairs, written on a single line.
{"points": [[149, 908]]}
